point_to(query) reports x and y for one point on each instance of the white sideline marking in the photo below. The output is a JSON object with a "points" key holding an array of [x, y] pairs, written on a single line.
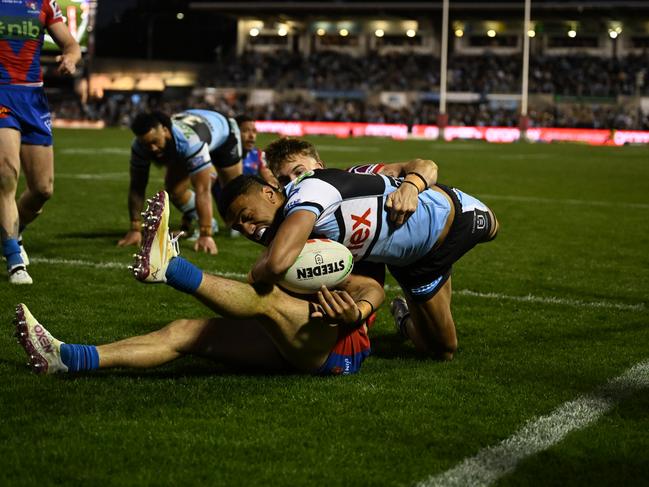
{"points": [[102, 150], [462, 292], [492, 463], [533, 199]]}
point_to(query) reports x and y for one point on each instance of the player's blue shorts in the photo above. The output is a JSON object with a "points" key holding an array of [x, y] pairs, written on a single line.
{"points": [[352, 347], [25, 109]]}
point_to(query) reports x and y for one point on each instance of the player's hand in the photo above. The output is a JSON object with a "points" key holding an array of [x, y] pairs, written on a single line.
{"points": [[337, 307], [67, 64], [133, 237], [402, 203], [206, 243]]}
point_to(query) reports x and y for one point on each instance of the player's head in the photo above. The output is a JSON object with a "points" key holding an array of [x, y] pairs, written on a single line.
{"points": [[289, 158], [252, 206], [248, 132], [153, 131]]}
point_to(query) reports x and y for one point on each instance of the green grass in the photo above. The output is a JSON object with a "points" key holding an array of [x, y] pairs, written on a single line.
{"points": [[574, 227]]}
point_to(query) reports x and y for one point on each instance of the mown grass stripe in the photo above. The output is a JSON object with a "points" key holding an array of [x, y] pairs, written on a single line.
{"points": [[460, 292], [492, 463]]}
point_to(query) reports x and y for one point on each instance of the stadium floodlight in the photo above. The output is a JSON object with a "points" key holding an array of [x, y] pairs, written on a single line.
{"points": [[379, 32], [572, 33], [531, 33], [343, 32], [321, 32], [254, 32], [612, 34], [459, 32], [411, 32], [491, 33], [180, 15], [282, 31]]}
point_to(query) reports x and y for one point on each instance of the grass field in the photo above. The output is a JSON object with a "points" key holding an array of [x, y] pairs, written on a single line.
{"points": [[549, 312]]}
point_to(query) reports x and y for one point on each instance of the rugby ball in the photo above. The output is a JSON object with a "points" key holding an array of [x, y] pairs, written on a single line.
{"points": [[321, 262]]}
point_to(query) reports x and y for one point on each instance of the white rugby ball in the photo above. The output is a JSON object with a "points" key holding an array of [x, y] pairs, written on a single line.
{"points": [[321, 262]]}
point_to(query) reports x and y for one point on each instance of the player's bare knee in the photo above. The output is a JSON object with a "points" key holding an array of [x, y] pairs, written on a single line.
{"points": [[43, 192], [8, 175]]}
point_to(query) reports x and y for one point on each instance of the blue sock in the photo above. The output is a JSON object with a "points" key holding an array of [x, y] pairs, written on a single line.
{"points": [[183, 275], [79, 357], [11, 250]]}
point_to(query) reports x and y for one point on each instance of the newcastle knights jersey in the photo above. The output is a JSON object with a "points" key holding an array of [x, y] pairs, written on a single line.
{"points": [[350, 208], [22, 28]]}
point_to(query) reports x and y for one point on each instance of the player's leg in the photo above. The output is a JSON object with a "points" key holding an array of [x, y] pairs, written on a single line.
{"points": [[244, 344], [9, 223], [303, 342], [38, 165]]}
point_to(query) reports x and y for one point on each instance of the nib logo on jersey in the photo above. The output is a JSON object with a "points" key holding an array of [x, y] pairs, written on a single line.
{"points": [[18, 28], [320, 268]]}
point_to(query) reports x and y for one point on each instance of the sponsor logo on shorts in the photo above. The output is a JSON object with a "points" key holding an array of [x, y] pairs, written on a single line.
{"points": [[4, 111], [320, 270]]}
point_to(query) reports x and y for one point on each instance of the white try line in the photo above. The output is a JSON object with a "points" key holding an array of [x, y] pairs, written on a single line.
{"points": [[494, 462], [459, 292]]}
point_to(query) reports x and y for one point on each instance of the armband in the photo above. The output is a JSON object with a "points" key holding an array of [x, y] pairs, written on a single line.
{"points": [[136, 226], [205, 230]]}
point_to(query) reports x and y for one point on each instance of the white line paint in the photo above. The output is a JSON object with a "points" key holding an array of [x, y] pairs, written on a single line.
{"points": [[90, 151], [460, 292], [494, 462], [532, 199]]}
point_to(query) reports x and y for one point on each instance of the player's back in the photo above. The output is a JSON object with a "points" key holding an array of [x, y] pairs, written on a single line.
{"points": [[350, 208]]}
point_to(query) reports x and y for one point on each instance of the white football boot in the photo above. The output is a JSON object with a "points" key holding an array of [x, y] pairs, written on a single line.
{"points": [[23, 252], [158, 247], [18, 275], [43, 350]]}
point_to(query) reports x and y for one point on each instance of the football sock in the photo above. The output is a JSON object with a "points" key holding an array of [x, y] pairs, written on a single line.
{"points": [[11, 250], [183, 275], [79, 357], [189, 207]]}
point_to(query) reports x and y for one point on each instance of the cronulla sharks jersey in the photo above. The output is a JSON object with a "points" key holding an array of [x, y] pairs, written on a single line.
{"points": [[350, 208], [195, 133]]}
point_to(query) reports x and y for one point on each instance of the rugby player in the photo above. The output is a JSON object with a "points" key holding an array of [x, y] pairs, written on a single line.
{"points": [[191, 145], [25, 121], [273, 330], [289, 158], [351, 209]]}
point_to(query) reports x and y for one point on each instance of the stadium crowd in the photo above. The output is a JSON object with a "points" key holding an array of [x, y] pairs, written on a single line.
{"points": [[336, 87]]}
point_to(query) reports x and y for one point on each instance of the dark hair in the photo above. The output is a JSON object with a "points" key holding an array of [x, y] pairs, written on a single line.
{"points": [[243, 118], [235, 188], [145, 121], [284, 150]]}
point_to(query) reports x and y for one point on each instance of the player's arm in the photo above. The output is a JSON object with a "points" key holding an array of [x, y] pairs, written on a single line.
{"points": [[352, 302], [70, 50], [284, 249], [202, 183], [136, 191], [418, 175]]}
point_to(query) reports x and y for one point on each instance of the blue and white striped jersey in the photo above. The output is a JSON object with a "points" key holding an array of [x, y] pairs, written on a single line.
{"points": [[350, 208]]}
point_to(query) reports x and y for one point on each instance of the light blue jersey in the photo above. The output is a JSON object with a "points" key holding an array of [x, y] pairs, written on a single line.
{"points": [[350, 208], [195, 133]]}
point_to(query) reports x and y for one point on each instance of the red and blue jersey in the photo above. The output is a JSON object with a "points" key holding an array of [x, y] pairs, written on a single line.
{"points": [[253, 161], [22, 28]]}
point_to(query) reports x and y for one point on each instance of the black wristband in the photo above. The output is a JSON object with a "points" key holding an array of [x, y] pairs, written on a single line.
{"points": [[416, 187], [420, 177], [371, 307]]}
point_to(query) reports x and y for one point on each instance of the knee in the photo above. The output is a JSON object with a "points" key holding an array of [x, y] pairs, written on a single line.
{"points": [[44, 191], [8, 174]]}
